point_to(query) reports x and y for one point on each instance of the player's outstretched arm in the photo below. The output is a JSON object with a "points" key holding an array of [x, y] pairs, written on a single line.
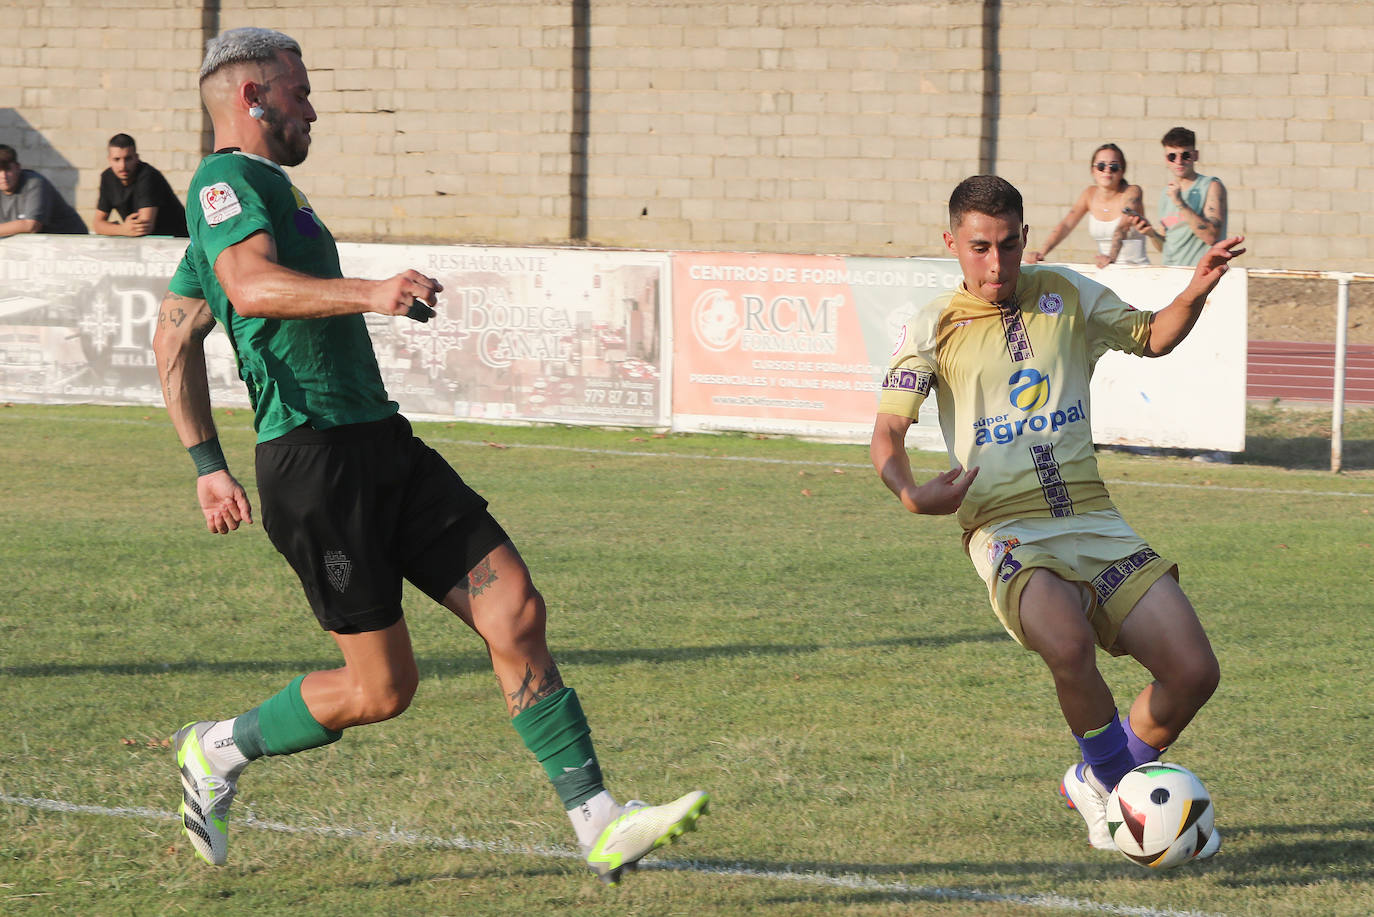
{"points": [[259, 287], [179, 347], [939, 496], [1170, 325]]}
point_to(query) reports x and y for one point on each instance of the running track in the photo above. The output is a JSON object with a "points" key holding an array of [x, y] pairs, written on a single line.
{"points": [[1306, 372]]}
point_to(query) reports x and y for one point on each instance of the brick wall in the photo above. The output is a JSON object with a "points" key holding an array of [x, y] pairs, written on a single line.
{"points": [[788, 125]]}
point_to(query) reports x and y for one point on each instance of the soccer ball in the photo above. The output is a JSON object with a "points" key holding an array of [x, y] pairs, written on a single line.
{"points": [[1160, 815]]}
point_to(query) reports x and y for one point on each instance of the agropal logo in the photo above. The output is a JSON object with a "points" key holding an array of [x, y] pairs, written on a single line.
{"points": [[716, 320], [1030, 390]]}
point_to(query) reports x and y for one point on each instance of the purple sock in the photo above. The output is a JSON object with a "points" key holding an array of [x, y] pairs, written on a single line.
{"points": [[1141, 753], [1106, 753]]}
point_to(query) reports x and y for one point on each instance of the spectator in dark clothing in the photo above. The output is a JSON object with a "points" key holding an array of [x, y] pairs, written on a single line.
{"points": [[144, 202]]}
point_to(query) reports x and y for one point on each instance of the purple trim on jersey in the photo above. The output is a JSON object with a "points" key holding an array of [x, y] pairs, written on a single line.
{"points": [[907, 380], [1109, 580], [1051, 484], [1018, 342]]}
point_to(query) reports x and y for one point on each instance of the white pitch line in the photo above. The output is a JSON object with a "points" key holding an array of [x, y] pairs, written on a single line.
{"points": [[630, 453], [400, 837]]}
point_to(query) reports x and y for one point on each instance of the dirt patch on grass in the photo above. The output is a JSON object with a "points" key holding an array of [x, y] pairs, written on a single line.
{"points": [[1294, 309]]}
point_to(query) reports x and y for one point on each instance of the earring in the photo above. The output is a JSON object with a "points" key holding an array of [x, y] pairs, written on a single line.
{"points": [[255, 112]]}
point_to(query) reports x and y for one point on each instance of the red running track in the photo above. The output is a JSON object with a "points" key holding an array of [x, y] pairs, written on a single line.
{"points": [[1306, 372]]}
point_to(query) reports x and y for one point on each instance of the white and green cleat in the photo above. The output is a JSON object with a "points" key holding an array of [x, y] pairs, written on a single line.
{"points": [[641, 829], [205, 796]]}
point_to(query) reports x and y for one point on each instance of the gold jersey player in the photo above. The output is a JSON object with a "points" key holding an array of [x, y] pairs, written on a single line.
{"points": [[352, 499], [1009, 355]]}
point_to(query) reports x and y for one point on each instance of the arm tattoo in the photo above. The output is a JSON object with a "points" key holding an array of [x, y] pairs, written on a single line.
{"points": [[532, 690], [479, 579]]}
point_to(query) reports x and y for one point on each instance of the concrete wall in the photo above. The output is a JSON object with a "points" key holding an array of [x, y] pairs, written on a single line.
{"points": [[787, 125]]}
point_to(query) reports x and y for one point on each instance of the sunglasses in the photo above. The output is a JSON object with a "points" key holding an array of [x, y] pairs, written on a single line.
{"points": [[1186, 156], [1107, 166]]}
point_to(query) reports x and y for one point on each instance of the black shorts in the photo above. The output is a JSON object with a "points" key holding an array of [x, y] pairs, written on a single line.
{"points": [[355, 508]]}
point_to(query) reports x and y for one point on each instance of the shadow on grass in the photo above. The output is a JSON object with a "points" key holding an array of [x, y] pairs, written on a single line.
{"points": [[1317, 855], [478, 662], [1306, 453], [1277, 860], [1299, 437]]}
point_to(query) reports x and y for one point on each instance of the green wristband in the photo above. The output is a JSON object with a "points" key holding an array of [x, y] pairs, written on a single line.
{"points": [[208, 456]]}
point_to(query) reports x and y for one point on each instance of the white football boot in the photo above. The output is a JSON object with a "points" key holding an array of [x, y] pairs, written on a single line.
{"points": [[1085, 793], [640, 829], [205, 796], [1210, 846]]}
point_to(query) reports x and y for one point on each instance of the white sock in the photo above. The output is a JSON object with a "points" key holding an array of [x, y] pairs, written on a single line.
{"points": [[591, 817], [218, 744]]}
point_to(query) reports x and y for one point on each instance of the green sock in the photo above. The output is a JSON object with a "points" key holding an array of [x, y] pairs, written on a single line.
{"points": [[556, 731], [281, 725]]}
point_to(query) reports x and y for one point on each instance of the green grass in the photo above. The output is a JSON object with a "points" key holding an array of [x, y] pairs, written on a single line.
{"points": [[773, 629]]}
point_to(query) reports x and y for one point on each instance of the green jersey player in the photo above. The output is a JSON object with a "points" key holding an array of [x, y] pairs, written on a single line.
{"points": [[351, 498], [1009, 355]]}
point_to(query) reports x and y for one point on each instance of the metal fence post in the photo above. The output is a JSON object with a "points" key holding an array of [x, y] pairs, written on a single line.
{"points": [[1338, 389]]}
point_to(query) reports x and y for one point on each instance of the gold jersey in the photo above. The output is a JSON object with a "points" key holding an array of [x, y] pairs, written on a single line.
{"points": [[1012, 386]]}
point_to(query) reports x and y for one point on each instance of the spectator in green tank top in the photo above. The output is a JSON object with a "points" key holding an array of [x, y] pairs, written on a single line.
{"points": [[1192, 207]]}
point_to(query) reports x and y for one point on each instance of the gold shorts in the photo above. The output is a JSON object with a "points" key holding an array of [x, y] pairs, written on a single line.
{"points": [[1111, 565]]}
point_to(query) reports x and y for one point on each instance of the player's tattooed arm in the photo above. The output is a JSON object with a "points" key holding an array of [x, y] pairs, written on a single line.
{"points": [[179, 346], [533, 688], [1213, 214]]}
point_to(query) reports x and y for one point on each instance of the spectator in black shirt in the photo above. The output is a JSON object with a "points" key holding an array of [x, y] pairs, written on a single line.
{"points": [[138, 193]]}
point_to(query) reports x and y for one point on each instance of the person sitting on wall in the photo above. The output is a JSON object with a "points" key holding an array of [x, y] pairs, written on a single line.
{"points": [[138, 194], [29, 202]]}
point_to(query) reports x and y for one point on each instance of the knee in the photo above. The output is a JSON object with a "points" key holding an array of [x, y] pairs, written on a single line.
{"points": [[1071, 656], [517, 623], [1199, 677], [375, 702]]}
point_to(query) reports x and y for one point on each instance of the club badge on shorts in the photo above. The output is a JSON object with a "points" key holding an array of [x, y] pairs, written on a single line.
{"points": [[218, 202], [339, 568]]}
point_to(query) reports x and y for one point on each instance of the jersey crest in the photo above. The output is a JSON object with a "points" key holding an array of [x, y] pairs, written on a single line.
{"points": [[218, 202]]}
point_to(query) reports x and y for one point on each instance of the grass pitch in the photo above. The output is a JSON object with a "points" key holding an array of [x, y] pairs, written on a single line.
{"points": [[756, 617]]}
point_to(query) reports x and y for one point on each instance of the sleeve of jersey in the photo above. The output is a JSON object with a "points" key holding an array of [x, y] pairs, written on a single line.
{"points": [[185, 281], [225, 208], [911, 373], [1112, 323]]}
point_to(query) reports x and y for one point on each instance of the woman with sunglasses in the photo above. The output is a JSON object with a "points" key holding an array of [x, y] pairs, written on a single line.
{"points": [[1108, 203]]}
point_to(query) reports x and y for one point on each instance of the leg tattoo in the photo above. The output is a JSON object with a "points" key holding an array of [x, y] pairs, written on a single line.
{"points": [[533, 689], [480, 579]]}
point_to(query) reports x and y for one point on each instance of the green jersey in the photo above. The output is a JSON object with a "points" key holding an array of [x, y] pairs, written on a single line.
{"points": [[318, 371]]}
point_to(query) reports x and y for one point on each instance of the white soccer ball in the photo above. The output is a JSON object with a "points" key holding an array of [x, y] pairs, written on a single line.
{"points": [[1160, 815]]}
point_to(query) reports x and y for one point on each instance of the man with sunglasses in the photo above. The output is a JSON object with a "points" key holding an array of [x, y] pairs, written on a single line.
{"points": [[1192, 207]]}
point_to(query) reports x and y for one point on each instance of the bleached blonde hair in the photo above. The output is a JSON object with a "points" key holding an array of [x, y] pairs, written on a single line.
{"points": [[247, 44]]}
